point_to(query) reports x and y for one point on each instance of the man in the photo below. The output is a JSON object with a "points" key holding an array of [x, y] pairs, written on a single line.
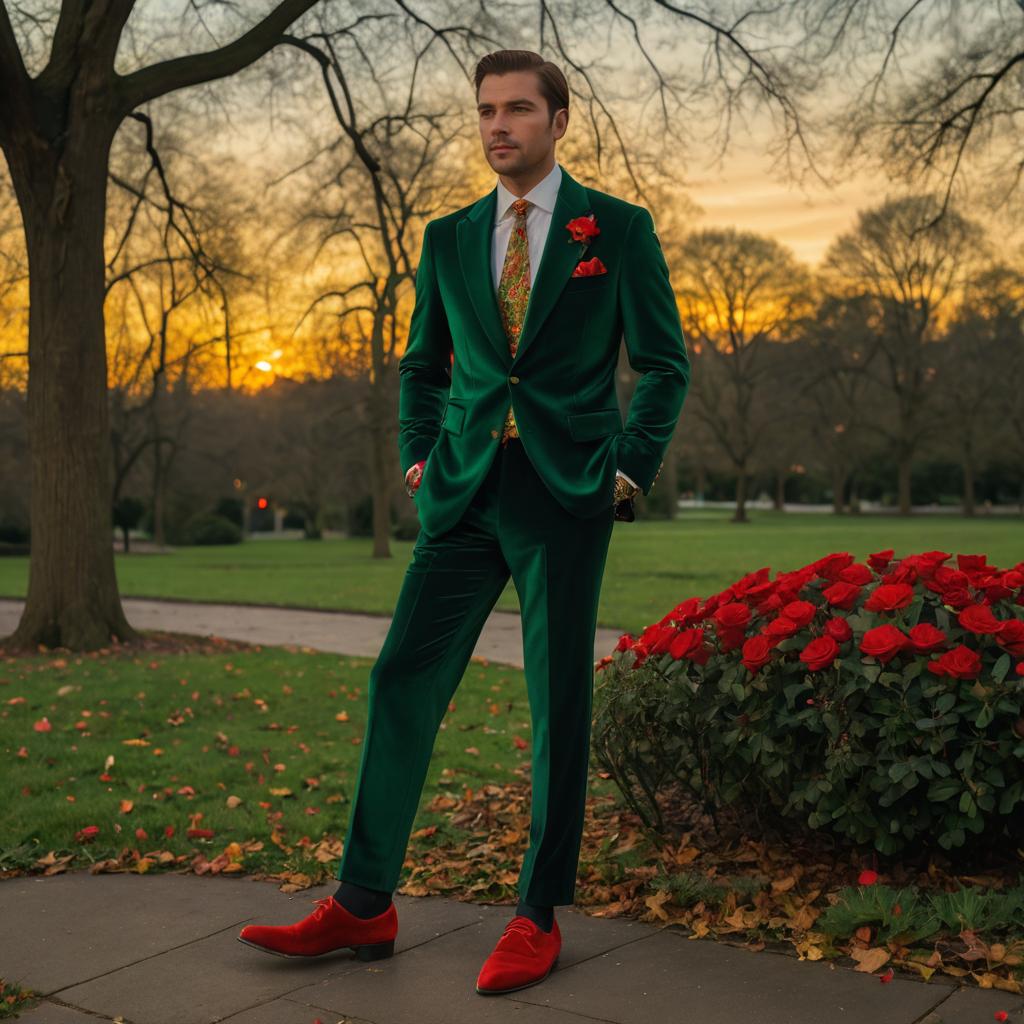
{"points": [[514, 450]]}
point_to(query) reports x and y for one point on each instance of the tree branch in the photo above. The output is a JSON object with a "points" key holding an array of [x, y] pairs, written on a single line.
{"points": [[159, 79]]}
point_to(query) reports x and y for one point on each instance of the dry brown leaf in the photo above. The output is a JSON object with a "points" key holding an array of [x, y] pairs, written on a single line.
{"points": [[869, 960]]}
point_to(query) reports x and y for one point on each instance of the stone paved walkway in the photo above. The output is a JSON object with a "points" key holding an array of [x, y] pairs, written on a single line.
{"points": [[162, 949]]}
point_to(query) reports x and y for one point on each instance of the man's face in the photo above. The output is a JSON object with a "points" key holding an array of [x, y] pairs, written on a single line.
{"points": [[514, 126]]}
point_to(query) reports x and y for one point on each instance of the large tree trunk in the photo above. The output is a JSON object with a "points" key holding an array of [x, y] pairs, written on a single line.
{"points": [[838, 490], [970, 500], [740, 515], [72, 598], [905, 465]]}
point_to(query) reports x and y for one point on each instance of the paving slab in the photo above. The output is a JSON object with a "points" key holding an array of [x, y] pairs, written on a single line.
{"points": [[973, 1006], [436, 983], [284, 1011], [673, 979], [351, 633], [225, 975], [68, 928]]}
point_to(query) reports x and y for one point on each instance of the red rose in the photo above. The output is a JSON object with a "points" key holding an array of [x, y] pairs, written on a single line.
{"points": [[800, 612], [978, 618], [659, 642], [973, 563], [757, 652], [839, 629], [867, 877], [888, 597], [884, 642], [689, 644], [960, 663], [957, 597], [926, 638], [732, 615], [880, 559], [831, 566], [842, 595], [779, 628], [583, 229], [946, 577], [857, 573], [820, 653], [1011, 636]]}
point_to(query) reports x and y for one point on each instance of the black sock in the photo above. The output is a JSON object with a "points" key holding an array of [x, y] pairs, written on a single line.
{"points": [[361, 901], [542, 917]]}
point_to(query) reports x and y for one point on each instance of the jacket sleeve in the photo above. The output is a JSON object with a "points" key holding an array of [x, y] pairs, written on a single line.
{"points": [[425, 368], [655, 347]]}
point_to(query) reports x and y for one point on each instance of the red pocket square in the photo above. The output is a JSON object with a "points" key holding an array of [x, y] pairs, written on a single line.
{"points": [[589, 268]]}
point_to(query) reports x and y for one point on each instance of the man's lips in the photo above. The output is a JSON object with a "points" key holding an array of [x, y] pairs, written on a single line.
{"points": [[498, 148]]}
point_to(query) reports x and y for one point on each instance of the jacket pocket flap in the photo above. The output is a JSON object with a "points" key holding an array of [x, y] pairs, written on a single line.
{"points": [[454, 415], [585, 426]]}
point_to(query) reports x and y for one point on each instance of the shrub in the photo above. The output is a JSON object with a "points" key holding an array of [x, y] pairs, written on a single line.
{"points": [[882, 701], [209, 528]]}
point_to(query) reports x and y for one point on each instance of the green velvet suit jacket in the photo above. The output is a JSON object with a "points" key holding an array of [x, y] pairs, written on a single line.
{"points": [[457, 377]]}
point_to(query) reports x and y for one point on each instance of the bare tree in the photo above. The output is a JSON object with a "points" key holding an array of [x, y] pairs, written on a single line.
{"points": [[980, 366], [740, 292], [935, 92], [395, 166], [913, 266], [829, 365]]}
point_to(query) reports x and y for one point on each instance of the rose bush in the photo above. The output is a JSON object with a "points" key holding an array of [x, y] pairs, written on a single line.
{"points": [[883, 701]]}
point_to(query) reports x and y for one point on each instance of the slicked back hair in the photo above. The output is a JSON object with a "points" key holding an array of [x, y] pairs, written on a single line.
{"points": [[553, 86]]}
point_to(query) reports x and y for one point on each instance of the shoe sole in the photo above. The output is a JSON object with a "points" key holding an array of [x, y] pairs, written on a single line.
{"points": [[517, 988], [376, 951]]}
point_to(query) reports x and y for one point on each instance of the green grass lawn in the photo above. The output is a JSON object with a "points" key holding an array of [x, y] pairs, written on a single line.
{"points": [[258, 725], [652, 565]]}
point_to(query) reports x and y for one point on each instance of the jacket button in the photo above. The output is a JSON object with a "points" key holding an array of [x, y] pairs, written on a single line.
{"points": [[513, 380], [494, 433]]}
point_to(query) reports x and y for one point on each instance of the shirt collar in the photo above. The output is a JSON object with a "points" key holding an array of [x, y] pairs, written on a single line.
{"points": [[543, 194]]}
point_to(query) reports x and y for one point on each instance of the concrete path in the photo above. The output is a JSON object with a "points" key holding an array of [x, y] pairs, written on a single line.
{"points": [[339, 632], [163, 950]]}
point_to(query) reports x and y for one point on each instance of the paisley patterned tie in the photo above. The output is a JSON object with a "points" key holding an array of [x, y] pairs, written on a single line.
{"points": [[514, 293]]}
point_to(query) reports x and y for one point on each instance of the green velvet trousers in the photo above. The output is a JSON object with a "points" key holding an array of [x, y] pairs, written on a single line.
{"points": [[512, 526]]}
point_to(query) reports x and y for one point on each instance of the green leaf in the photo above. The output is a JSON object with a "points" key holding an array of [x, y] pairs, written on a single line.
{"points": [[939, 791], [1002, 666], [1010, 797], [945, 702]]}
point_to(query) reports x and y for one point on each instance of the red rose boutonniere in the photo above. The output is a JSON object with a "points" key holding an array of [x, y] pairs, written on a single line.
{"points": [[584, 229]]}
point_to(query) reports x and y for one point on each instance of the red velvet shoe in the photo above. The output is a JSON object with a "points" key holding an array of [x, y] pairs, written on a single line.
{"points": [[328, 928], [525, 955]]}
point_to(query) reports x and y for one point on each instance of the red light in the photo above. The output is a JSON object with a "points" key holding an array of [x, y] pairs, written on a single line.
{"points": [[261, 503]]}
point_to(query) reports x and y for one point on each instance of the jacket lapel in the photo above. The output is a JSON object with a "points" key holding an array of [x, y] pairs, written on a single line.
{"points": [[474, 233]]}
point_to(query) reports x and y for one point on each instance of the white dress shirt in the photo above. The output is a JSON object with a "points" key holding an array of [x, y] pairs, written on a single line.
{"points": [[538, 222]]}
